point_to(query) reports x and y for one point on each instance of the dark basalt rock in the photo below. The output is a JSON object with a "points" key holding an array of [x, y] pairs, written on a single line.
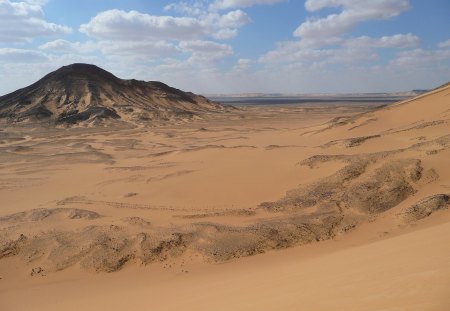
{"points": [[97, 112], [82, 93]]}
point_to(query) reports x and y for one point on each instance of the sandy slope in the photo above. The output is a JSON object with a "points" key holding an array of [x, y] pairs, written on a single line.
{"points": [[410, 271], [155, 203]]}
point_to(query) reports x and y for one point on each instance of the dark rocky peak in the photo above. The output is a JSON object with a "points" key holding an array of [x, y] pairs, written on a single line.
{"points": [[84, 93]]}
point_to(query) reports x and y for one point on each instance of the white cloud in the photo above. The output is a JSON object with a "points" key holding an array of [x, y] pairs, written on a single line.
{"points": [[9, 55], [395, 41], [324, 41], [110, 48], [37, 2], [226, 33], [64, 46], [120, 25], [291, 51], [242, 65], [192, 8], [234, 19], [353, 13], [444, 44], [227, 25], [24, 21], [134, 36], [417, 57], [138, 48], [230, 4], [351, 50], [205, 51], [133, 25], [294, 52]]}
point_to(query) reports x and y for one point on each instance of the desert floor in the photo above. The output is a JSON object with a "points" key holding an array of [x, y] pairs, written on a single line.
{"points": [[321, 207]]}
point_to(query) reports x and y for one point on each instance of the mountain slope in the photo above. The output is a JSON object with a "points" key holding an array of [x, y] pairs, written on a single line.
{"points": [[82, 92]]}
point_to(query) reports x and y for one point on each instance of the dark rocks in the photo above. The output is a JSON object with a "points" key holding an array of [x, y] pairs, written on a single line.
{"points": [[426, 207], [82, 93], [12, 247], [92, 112], [37, 271]]}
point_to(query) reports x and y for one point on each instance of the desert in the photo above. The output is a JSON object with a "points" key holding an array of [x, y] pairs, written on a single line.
{"points": [[191, 199], [224, 155]]}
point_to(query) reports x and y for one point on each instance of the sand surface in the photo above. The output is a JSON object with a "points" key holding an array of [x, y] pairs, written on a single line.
{"points": [[319, 207], [410, 271]]}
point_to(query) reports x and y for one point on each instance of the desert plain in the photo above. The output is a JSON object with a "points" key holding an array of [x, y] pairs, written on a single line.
{"points": [[276, 207]]}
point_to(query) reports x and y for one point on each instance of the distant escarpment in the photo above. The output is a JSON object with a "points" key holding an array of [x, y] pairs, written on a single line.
{"points": [[87, 94]]}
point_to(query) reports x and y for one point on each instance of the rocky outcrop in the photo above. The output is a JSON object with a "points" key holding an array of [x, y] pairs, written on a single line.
{"points": [[81, 93]]}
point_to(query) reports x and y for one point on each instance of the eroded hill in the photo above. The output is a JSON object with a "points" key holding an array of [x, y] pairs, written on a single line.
{"points": [[82, 93]]}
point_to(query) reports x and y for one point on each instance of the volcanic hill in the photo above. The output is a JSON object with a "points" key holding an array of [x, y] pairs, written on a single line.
{"points": [[83, 93]]}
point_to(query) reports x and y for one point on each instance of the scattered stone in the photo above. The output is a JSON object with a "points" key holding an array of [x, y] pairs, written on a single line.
{"points": [[130, 194], [37, 271]]}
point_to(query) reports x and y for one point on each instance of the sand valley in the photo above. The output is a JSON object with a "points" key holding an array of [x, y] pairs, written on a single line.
{"points": [[292, 207]]}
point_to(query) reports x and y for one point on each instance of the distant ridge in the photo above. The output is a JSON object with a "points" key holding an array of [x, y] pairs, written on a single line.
{"points": [[84, 93], [443, 85], [318, 95]]}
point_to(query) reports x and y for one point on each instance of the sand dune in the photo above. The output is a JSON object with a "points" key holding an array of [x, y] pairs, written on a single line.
{"points": [[387, 274], [354, 199]]}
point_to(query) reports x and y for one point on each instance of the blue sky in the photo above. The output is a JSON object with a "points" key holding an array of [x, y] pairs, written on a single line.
{"points": [[233, 46]]}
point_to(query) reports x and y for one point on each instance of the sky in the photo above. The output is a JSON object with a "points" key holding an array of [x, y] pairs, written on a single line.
{"points": [[233, 46]]}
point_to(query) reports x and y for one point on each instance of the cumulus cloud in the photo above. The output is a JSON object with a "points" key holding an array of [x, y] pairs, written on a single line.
{"points": [[10, 55], [24, 21], [444, 44], [65, 46], [37, 2], [138, 48], [395, 41], [325, 40], [230, 4], [192, 8], [351, 50], [233, 19], [417, 57], [227, 25], [120, 25], [242, 65], [292, 52], [206, 51], [133, 49], [136, 35], [353, 13]]}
